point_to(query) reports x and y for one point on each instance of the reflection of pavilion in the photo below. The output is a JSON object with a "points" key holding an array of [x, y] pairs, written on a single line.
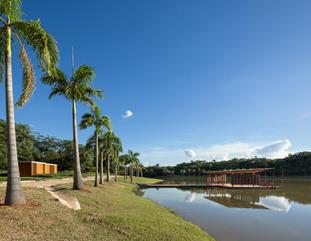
{"points": [[233, 198]]}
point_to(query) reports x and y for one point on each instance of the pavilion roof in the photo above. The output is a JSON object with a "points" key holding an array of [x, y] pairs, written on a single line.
{"points": [[240, 171]]}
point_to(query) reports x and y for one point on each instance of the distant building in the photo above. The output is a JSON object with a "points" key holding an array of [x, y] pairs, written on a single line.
{"points": [[32, 168]]}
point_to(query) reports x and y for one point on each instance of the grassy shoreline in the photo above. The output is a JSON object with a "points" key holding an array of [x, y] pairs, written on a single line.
{"points": [[110, 212]]}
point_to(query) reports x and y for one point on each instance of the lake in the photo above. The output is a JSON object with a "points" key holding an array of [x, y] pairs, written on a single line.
{"points": [[243, 215]]}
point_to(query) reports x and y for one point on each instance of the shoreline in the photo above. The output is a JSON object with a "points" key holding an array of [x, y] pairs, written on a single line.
{"points": [[110, 212]]}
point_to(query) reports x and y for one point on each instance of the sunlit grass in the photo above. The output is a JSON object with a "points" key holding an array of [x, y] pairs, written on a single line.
{"points": [[110, 212]]}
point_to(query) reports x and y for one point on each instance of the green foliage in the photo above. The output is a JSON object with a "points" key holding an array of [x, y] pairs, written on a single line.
{"points": [[95, 119], [292, 165], [31, 34], [77, 88], [35, 147], [43, 44], [25, 144], [11, 9]]}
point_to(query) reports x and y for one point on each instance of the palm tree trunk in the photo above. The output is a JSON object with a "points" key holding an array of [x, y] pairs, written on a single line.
{"points": [[124, 177], [77, 176], [131, 173], [14, 192], [96, 159], [101, 173], [116, 173], [108, 168], [141, 173]]}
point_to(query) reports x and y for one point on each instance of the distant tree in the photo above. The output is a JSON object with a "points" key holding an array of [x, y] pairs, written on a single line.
{"points": [[99, 122], [133, 160], [112, 146]]}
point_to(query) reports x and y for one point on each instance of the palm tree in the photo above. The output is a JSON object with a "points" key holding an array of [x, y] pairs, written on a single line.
{"points": [[123, 161], [133, 160], [117, 148], [76, 89], [112, 146], [13, 27], [91, 144], [98, 121]]}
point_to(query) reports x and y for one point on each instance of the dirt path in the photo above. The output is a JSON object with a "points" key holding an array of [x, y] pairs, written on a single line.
{"points": [[47, 183], [49, 186]]}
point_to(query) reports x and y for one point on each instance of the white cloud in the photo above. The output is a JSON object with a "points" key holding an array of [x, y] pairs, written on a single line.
{"points": [[167, 156], [190, 153], [277, 149], [127, 114]]}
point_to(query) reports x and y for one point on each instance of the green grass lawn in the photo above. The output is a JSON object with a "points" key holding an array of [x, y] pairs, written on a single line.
{"points": [[59, 175], [110, 212]]}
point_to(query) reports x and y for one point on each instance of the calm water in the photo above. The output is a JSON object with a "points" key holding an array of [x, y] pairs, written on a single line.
{"points": [[244, 215]]}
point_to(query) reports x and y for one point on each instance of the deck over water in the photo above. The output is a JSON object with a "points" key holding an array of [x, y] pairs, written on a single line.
{"points": [[225, 185]]}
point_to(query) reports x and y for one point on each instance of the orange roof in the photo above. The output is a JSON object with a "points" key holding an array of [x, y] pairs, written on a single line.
{"points": [[240, 171]]}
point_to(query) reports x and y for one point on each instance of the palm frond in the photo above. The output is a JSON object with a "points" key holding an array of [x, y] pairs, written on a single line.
{"points": [[29, 83], [105, 122], [86, 100], [11, 9], [57, 91], [86, 121], [84, 73], [43, 44], [89, 91], [57, 78]]}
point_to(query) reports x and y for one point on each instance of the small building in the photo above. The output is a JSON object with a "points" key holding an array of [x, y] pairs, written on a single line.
{"points": [[32, 168], [238, 178]]}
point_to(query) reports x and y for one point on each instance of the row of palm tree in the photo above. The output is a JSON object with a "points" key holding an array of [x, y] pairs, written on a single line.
{"points": [[76, 89]]}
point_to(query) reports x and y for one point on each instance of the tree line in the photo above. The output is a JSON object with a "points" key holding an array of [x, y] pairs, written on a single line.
{"points": [[298, 164], [32, 146]]}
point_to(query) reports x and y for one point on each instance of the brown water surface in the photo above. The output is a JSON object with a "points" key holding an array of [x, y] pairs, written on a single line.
{"points": [[243, 215]]}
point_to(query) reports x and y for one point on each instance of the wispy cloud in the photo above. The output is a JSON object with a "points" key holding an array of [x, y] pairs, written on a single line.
{"points": [[219, 152], [127, 114]]}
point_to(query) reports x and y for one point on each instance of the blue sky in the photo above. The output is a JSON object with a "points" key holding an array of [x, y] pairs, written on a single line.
{"points": [[217, 78]]}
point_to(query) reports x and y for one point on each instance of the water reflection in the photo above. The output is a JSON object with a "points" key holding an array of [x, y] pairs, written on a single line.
{"points": [[190, 197], [234, 198], [248, 199], [244, 214], [275, 203]]}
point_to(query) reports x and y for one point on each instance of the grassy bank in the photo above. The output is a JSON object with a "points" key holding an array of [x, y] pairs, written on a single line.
{"points": [[110, 212]]}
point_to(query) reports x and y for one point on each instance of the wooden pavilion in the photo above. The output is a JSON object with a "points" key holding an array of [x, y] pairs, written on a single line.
{"points": [[239, 178]]}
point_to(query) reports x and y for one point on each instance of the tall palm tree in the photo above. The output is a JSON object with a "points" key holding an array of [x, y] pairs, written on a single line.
{"points": [[13, 27], [112, 146], [91, 144], [116, 149], [98, 121], [76, 89], [123, 161], [133, 160]]}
